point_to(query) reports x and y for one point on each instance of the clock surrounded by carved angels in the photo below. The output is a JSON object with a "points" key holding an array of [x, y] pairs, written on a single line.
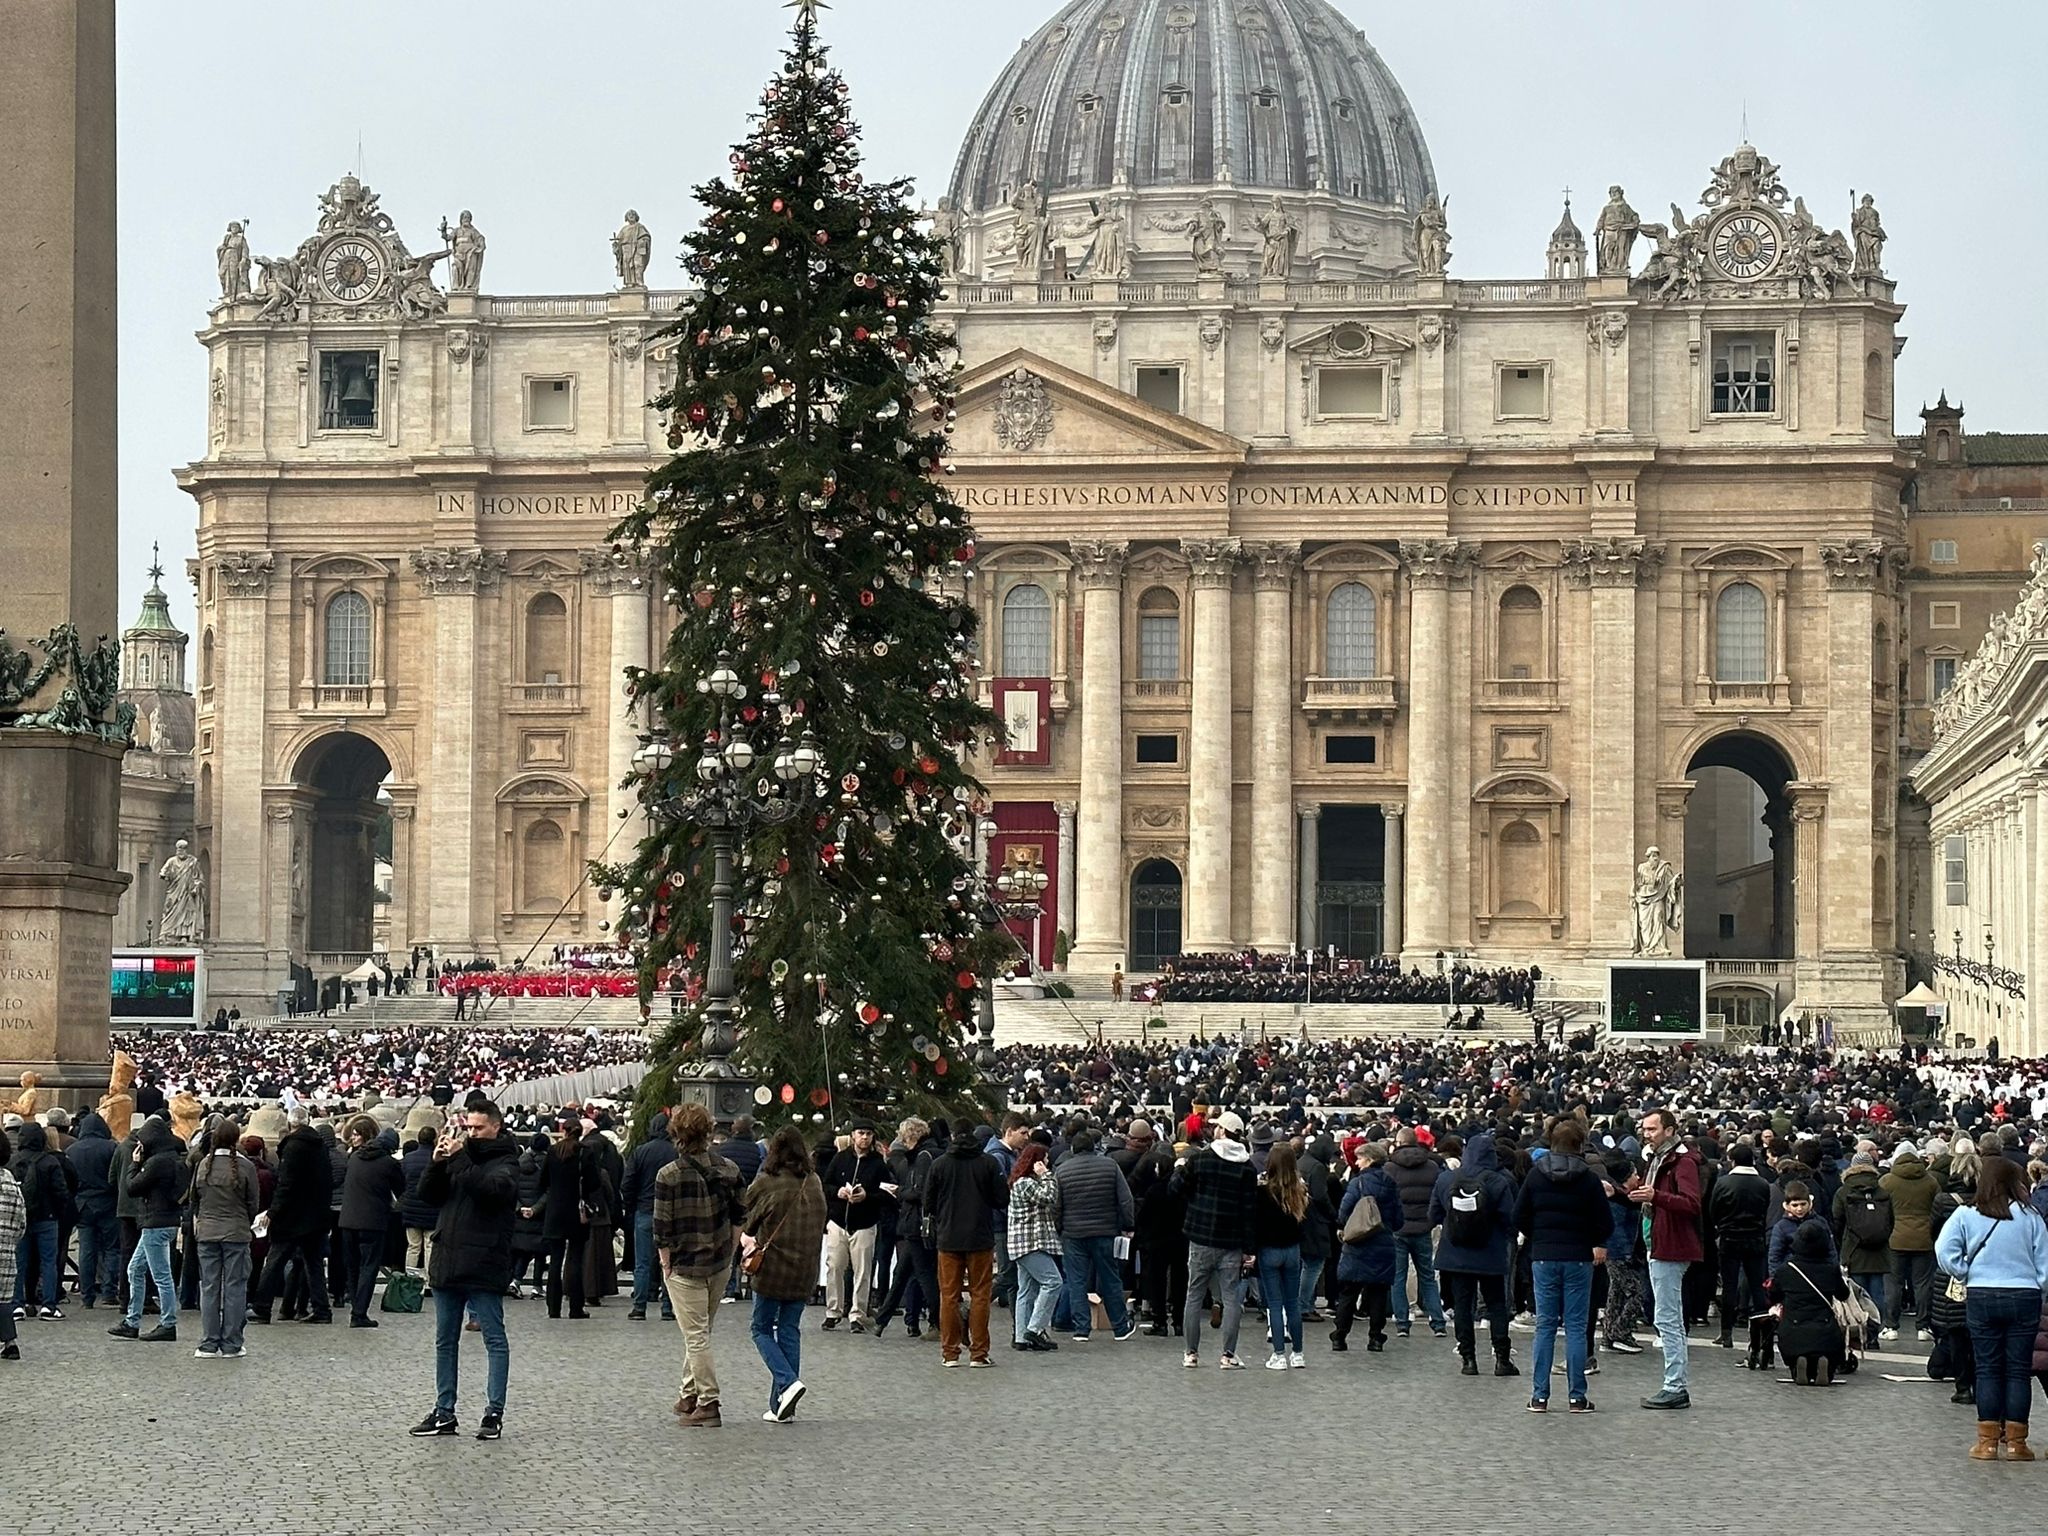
{"points": [[352, 269], [1745, 245]]}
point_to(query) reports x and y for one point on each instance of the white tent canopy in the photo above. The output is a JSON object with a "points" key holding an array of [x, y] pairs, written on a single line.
{"points": [[1920, 997], [365, 971]]}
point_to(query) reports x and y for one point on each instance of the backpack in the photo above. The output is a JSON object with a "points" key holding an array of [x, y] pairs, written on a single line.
{"points": [[1868, 1218], [1470, 1222]]}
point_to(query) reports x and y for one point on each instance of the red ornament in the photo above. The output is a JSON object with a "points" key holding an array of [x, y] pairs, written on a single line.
{"points": [[788, 1094], [749, 713], [820, 1098], [870, 1013], [823, 238], [698, 415], [939, 1066], [965, 981], [777, 205], [828, 853], [850, 783], [867, 597], [942, 952], [927, 765], [860, 333]]}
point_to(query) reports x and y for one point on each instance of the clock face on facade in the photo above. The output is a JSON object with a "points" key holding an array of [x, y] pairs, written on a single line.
{"points": [[351, 270], [1745, 245]]}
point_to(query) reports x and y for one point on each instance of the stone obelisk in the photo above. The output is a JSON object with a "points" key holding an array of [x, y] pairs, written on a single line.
{"points": [[60, 741]]}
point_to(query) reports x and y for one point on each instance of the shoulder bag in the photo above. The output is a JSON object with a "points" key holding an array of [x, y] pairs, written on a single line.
{"points": [[1847, 1317], [1958, 1287], [1365, 1220], [752, 1262]]}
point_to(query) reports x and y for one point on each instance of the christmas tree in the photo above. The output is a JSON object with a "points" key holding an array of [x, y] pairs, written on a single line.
{"points": [[821, 666]]}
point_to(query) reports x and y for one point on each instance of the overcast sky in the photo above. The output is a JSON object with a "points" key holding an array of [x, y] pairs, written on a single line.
{"points": [[549, 120]]}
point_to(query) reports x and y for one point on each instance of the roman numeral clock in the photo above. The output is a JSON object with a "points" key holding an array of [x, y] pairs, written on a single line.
{"points": [[1746, 244], [351, 269]]}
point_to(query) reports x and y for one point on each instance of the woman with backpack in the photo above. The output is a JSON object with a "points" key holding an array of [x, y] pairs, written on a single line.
{"points": [[1276, 1234], [1999, 1251], [1474, 1206], [1863, 1227]]}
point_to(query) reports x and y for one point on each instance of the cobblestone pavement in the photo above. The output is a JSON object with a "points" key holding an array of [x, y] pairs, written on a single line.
{"points": [[307, 1435]]}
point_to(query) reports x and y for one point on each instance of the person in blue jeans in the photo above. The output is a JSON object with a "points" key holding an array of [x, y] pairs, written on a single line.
{"points": [[91, 1158], [474, 1180], [636, 1195], [157, 1185], [1276, 1236], [1414, 1169], [1094, 1207], [1563, 1213], [782, 1233], [2000, 1251]]}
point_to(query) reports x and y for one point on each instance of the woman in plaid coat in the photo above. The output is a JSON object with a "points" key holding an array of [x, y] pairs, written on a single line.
{"points": [[1034, 1239], [13, 1222]]}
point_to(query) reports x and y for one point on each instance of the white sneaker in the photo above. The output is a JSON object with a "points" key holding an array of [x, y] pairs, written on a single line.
{"points": [[206, 1354], [1926, 1336], [1889, 1335], [1190, 1360], [1276, 1362], [769, 1416], [1298, 1361], [234, 1354]]}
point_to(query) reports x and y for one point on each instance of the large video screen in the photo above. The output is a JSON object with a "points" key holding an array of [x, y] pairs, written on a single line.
{"points": [[1665, 1001], [156, 988]]}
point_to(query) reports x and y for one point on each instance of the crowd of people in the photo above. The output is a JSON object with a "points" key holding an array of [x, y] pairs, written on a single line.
{"points": [[328, 1068], [1805, 1205], [1304, 976]]}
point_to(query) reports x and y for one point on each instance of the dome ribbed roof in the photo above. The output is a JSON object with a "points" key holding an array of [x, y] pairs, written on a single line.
{"points": [[1163, 93]]}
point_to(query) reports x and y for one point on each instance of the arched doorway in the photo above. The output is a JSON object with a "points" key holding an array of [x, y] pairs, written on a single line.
{"points": [[1738, 850], [1155, 915], [335, 841]]}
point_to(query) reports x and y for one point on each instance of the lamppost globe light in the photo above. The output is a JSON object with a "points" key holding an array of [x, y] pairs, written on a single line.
{"points": [[739, 754], [723, 681], [1006, 885], [785, 761], [655, 757], [807, 759], [710, 767]]}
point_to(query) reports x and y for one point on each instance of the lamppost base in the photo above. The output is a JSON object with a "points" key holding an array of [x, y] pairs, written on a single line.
{"points": [[726, 1095]]}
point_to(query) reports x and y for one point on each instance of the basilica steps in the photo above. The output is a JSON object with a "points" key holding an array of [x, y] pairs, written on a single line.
{"points": [[1049, 1021]]}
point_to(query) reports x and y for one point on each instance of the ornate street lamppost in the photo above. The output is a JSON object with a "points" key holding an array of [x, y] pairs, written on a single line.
{"points": [[729, 797], [1015, 895]]}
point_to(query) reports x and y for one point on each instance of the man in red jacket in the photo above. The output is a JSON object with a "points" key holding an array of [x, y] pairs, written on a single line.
{"points": [[1669, 1196]]}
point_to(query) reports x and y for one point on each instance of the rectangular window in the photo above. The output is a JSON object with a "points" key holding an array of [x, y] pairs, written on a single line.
{"points": [[1524, 392], [550, 405], [1941, 675], [1158, 749], [1351, 392], [1159, 647], [348, 391], [1955, 874], [1941, 551], [1159, 387], [1944, 615], [1745, 373], [1350, 749], [1727, 926]]}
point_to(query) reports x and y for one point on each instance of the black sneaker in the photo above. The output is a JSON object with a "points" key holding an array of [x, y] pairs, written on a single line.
{"points": [[434, 1424], [857, 1326], [160, 1335], [829, 1324], [1539, 1405], [123, 1331], [1582, 1405], [491, 1427]]}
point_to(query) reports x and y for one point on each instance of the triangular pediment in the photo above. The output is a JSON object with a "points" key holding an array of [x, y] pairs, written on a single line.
{"points": [[1021, 407]]}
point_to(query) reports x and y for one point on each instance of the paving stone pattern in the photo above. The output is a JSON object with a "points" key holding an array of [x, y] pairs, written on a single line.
{"points": [[306, 1437]]}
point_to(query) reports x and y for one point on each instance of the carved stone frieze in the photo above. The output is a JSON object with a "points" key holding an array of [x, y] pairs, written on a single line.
{"points": [[1099, 562], [1868, 565], [1437, 563], [1212, 562], [1272, 565], [1612, 562], [457, 572], [246, 573], [616, 568]]}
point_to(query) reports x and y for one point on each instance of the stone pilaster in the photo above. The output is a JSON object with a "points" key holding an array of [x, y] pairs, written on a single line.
{"points": [[1099, 854], [1394, 819], [453, 577], [241, 659], [1809, 805], [1063, 917], [1612, 569], [1273, 568], [1213, 564], [1311, 852], [1433, 566], [621, 576], [1861, 576]]}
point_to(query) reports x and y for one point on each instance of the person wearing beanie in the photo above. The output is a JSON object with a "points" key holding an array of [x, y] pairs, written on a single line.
{"points": [[1219, 1186], [1912, 1188], [1365, 1263], [1862, 1219]]}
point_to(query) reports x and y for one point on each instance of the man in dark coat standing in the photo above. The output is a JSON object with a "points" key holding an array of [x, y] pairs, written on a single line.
{"points": [[300, 1208], [962, 1193], [636, 1195], [1414, 1169], [91, 1157], [473, 1180]]}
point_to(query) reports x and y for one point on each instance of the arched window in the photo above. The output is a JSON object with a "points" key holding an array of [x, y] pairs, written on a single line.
{"points": [[1881, 655], [1944, 446], [1159, 635], [1875, 402], [1519, 638], [1027, 631], [1351, 632], [206, 660], [142, 669], [348, 641], [547, 865], [1739, 639], [547, 639]]}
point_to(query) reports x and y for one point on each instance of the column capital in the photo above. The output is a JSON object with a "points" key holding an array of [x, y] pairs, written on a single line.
{"points": [[1272, 565], [1213, 562], [616, 568], [1437, 564], [1309, 812], [1612, 562], [1099, 563], [1066, 810], [246, 573], [1809, 799], [1672, 797], [1393, 812], [1863, 565], [461, 572]]}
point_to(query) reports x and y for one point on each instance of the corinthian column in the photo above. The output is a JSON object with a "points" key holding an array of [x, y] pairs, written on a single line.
{"points": [[1433, 565], [453, 578], [1099, 857], [620, 576], [1214, 566], [1272, 745], [1063, 917]]}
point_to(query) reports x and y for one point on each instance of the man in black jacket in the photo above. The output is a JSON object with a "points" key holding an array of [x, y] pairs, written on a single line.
{"points": [[636, 1196], [1414, 1169], [963, 1191], [1737, 1209], [47, 1184], [157, 1183], [91, 1158], [1161, 1253], [300, 1205], [473, 1179], [853, 1208]]}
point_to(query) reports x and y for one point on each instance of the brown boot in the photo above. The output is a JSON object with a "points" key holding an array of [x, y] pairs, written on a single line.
{"points": [[1988, 1433], [703, 1416], [2016, 1442], [687, 1403]]}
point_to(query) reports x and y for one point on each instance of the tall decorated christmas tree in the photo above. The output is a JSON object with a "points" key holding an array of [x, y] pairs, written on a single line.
{"points": [[809, 719]]}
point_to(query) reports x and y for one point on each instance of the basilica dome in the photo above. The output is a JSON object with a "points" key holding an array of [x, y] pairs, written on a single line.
{"points": [[1155, 94]]}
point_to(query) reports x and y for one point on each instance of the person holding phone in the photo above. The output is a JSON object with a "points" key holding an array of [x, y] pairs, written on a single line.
{"points": [[853, 1209], [473, 1181]]}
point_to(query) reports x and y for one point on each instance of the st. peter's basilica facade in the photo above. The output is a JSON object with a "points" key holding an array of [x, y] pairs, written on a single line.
{"points": [[1330, 598]]}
